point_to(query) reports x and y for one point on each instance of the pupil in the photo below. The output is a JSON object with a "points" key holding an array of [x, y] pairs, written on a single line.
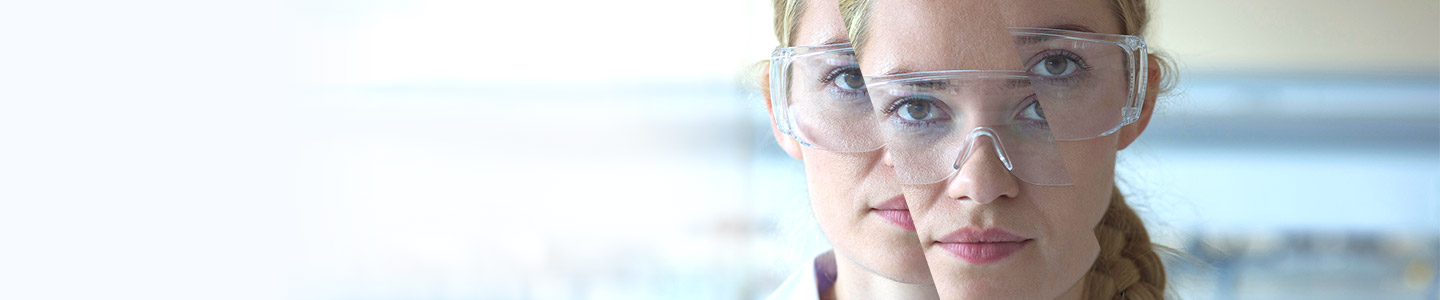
{"points": [[1055, 65], [852, 81], [918, 111]]}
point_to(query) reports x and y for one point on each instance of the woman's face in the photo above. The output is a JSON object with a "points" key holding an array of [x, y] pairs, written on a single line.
{"points": [[1054, 224], [855, 196]]}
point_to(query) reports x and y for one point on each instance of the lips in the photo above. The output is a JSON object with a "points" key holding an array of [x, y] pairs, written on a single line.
{"points": [[982, 246], [896, 212]]}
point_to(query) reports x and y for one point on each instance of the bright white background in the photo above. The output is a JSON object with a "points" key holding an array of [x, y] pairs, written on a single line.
{"points": [[428, 149]]}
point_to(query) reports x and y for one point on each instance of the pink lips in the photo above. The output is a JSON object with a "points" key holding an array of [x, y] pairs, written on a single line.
{"points": [[897, 212], [982, 246]]}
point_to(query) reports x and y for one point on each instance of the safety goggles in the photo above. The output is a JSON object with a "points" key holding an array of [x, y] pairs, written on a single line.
{"points": [[1075, 86], [818, 97]]}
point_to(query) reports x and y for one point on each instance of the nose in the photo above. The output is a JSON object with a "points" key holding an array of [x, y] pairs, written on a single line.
{"points": [[984, 166]]}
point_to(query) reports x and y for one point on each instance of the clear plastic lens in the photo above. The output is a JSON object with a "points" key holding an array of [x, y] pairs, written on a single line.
{"points": [[1090, 77], [972, 111], [1074, 86], [820, 98]]}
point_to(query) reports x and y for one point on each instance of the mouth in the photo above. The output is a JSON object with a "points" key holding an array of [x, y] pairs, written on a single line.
{"points": [[896, 212], [980, 247]]}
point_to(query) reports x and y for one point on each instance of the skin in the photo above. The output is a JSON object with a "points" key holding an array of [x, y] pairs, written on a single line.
{"points": [[875, 259], [910, 36]]}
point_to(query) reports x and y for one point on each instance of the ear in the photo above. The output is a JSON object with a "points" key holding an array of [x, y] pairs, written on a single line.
{"points": [[1152, 82], [791, 146]]}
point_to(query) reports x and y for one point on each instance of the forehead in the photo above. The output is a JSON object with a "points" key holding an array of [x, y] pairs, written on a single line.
{"points": [[820, 24], [929, 35]]}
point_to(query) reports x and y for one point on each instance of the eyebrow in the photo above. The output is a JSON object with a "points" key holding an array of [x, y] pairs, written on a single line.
{"points": [[833, 41], [895, 71], [1021, 41], [1029, 40], [944, 84], [1071, 27]]}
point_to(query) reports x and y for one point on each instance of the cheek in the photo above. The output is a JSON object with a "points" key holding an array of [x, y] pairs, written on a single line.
{"points": [[922, 199], [1091, 164], [839, 183]]}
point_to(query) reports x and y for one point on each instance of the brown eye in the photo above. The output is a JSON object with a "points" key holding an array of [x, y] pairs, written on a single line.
{"points": [[1055, 65], [851, 80], [915, 111]]}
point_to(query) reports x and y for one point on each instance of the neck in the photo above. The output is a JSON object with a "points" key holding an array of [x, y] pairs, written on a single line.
{"points": [[853, 281]]}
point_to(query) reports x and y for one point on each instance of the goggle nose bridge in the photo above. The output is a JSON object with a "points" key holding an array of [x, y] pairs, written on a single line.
{"points": [[974, 137]]}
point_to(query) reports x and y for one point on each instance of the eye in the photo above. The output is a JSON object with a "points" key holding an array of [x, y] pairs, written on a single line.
{"points": [[1033, 112], [1056, 65], [917, 111], [846, 78]]}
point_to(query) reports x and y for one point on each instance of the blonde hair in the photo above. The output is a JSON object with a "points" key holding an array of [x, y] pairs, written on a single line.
{"points": [[787, 20], [1128, 266], [856, 15], [1133, 16]]}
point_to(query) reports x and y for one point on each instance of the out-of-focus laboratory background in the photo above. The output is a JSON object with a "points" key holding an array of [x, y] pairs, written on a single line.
{"points": [[447, 149]]}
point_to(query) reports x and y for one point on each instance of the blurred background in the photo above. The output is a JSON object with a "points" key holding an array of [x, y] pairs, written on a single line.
{"points": [[446, 149]]}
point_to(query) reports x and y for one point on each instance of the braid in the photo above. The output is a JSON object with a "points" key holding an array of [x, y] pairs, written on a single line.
{"points": [[1128, 267]]}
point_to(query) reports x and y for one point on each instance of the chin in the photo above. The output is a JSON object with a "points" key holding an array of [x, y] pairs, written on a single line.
{"points": [[896, 256], [986, 292], [955, 279]]}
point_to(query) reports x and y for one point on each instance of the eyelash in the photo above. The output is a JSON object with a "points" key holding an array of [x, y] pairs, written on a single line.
{"points": [[1036, 123], [895, 105], [835, 74], [830, 77], [1082, 65], [898, 103]]}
